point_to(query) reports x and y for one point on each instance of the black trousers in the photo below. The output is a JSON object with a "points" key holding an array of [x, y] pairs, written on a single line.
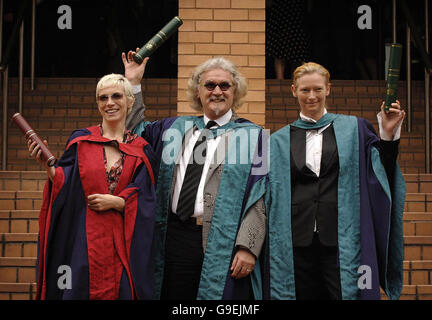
{"points": [[183, 259], [316, 272]]}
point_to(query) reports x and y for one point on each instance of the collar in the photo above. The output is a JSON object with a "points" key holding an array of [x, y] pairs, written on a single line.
{"points": [[307, 119], [307, 125], [128, 136], [221, 120]]}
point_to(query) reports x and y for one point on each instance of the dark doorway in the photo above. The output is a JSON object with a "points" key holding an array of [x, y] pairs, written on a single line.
{"points": [[335, 40], [100, 31]]}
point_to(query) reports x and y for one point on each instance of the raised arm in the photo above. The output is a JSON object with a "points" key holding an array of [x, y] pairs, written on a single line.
{"points": [[391, 121], [134, 73], [390, 124]]}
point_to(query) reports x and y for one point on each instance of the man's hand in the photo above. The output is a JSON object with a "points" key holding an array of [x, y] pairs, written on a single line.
{"points": [[134, 72], [392, 118], [243, 264], [102, 202]]}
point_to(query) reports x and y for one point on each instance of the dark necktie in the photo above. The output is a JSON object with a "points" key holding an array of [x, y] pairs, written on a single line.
{"points": [[192, 178]]}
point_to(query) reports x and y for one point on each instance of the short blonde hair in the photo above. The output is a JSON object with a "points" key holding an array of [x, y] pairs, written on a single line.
{"points": [[308, 68], [239, 82], [114, 79]]}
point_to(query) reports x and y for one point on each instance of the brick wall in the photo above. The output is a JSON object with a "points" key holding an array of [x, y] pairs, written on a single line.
{"points": [[77, 96], [356, 97], [58, 106], [234, 29]]}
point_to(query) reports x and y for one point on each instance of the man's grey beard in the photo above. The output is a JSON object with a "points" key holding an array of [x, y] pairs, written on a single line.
{"points": [[217, 100]]}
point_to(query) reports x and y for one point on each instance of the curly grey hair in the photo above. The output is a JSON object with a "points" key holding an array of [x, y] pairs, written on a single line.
{"points": [[240, 85]]}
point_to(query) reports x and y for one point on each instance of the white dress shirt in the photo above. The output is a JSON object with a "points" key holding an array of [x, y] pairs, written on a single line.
{"points": [[211, 148], [314, 140]]}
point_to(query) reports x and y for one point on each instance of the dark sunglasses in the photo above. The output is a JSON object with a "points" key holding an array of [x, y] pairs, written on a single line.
{"points": [[114, 96], [210, 86]]}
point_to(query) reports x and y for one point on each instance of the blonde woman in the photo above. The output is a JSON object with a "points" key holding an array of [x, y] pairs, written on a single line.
{"points": [[97, 217], [335, 200]]}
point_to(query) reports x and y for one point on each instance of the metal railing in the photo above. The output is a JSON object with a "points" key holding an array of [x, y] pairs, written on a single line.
{"points": [[17, 33], [427, 84], [423, 49]]}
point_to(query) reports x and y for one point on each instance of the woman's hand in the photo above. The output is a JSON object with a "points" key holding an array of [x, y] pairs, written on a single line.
{"points": [[36, 152], [134, 72], [103, 202], [392, 118]]}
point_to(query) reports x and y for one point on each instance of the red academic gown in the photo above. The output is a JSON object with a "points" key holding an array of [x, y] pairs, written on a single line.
{"points": [[84, 254]]}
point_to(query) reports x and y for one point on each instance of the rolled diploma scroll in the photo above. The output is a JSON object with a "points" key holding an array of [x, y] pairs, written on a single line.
{"points": [[29, 133], [158, 39], [393, 75]]}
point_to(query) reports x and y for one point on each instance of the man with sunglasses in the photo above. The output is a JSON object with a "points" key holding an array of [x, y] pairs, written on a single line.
{"points": [[210, 225]]}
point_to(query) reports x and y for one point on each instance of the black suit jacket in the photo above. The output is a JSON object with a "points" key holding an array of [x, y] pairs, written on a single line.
{"points": [[314, 198]]}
